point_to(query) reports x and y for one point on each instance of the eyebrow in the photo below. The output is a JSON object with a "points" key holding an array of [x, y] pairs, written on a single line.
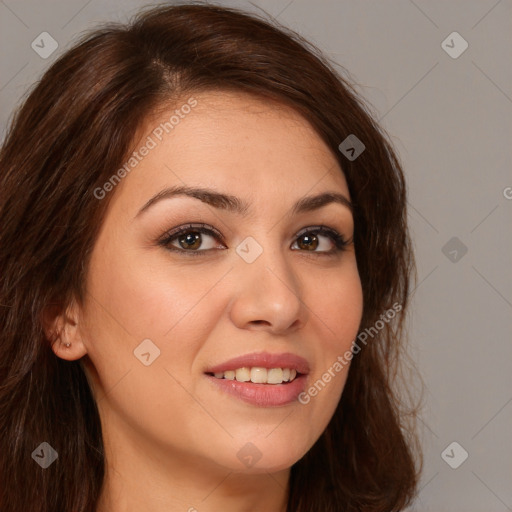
{"points": [[236, 205]]}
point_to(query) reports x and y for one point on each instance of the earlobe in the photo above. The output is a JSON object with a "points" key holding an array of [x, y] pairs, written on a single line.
{"points": [[62, 329]]}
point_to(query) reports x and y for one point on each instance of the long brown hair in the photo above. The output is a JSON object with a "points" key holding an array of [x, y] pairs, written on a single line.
{"points": [[73, 131]]}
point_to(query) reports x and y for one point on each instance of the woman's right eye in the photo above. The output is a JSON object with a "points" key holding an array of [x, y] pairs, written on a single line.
{"points": [[190, 239]]}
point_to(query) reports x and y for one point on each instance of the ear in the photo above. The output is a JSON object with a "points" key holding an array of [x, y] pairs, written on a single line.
{"points": [[62, 327]]}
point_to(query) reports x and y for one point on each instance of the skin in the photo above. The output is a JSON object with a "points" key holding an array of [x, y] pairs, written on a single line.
{"points": [[171, 437]]}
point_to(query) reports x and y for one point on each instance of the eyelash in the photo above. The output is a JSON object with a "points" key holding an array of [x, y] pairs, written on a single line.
{"points": [[339, 241]]}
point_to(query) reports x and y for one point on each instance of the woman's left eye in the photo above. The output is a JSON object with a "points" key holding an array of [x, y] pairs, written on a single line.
{"points": [[190, 240], [311, 239]]}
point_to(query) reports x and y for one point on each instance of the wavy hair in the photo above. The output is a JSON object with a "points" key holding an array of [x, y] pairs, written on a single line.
{"points": [[75, 127]]}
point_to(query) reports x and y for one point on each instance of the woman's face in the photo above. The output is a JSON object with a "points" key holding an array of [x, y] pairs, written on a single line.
{"points": [[163, 312]]}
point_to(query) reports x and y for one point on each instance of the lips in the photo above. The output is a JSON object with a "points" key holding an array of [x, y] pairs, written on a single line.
{"points": [[263, 360], [262, 394]]}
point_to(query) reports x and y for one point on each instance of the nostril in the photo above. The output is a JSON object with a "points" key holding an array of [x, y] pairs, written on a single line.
{"points": [[259, 322]]}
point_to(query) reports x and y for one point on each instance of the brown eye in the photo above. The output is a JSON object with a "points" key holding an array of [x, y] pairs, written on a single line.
{"points": [[309, 242], [191, 240], [312, 240]]}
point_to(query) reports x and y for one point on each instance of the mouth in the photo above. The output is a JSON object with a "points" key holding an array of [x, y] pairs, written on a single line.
{"points": [[261, 379], [258, 375]]}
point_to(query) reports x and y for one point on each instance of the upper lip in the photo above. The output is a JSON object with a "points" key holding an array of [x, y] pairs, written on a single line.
{"points": [[263, 360]]}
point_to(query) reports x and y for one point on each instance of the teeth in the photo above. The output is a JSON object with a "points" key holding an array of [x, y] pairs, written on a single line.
{"points": [[243, 374], [275, 376], [259, 375]]}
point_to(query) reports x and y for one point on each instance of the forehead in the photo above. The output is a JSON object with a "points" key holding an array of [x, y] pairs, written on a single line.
{"points": [[233, 142]]}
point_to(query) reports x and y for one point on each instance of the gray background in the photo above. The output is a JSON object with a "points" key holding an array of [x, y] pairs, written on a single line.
{"points": [[450, 120]]}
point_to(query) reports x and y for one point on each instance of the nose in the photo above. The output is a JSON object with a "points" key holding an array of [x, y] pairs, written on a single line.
{"points": [[268, 294]]}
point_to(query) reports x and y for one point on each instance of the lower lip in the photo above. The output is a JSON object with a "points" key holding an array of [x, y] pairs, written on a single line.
{"points": [[263, 395]]}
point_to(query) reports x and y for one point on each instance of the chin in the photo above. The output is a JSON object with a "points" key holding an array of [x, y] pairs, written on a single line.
{"points": [[263, 454]]}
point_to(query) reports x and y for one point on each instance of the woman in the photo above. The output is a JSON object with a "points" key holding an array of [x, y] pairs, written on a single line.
{"points": [[205, 270]]}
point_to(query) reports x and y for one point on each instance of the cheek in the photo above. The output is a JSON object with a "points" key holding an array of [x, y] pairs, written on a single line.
{"points": [[133, 300], [336, 307], [142, 298], [136, 297], [335, 316]]}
